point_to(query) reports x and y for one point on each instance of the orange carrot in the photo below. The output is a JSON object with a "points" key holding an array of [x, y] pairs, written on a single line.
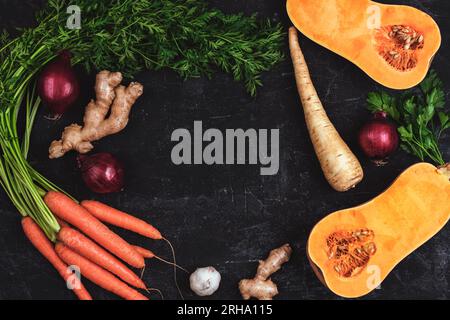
{"points": [[121, 219], [126, 221], [68, 210], [147, 254], [84, 246], [97, 275], [45, 247]]}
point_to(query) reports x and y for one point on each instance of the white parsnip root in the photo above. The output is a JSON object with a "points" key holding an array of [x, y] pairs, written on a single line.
{"points": [[110, 96], [339, 165]]}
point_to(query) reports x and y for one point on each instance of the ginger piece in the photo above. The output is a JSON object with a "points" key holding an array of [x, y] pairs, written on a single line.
{"points": [[110, 97], [260, 287]]}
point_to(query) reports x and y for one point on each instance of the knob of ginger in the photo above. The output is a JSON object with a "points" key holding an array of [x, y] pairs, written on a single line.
{"points": [[260, 287], [112, 98]]}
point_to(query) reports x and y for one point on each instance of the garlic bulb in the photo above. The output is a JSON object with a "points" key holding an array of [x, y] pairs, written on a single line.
{"points": [[205, 281]]}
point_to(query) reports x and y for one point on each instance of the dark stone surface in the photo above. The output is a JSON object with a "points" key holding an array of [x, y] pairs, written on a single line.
{"points": [[228, 216]]}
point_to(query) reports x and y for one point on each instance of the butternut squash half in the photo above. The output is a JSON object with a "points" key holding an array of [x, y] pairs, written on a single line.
{"points": [[393, 44], [353, 250]]}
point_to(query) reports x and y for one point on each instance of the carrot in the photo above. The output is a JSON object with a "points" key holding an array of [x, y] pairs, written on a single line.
{"points": [[147, 254], [45, 247], [97, 275], [70, 211], [339, 165], [84, 246], [126, 221], [121, 219]]}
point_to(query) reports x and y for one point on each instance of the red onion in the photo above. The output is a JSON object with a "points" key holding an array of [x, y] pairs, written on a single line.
{"points": [[101, 172], [58, 85], [379, 137]]}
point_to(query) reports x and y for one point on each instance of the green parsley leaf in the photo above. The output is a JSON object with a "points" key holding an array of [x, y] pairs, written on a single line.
{"points": [[420, 115]]}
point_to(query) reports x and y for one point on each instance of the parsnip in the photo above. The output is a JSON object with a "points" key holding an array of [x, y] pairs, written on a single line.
{"points": [[339, 165]]}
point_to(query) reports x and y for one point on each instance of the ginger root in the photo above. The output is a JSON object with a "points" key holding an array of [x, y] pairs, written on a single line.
{"points": [[110, 96], [260, 287]]}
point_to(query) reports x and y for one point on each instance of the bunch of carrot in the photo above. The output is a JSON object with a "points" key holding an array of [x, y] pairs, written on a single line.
{"points": [[85, 242]]}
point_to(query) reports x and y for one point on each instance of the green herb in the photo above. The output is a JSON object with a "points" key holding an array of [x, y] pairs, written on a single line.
{"points": [[420, 115], [131, 35], [185, 36]]}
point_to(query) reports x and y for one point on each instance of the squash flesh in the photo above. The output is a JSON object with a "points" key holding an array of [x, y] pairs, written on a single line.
{"points": [[405, 216], [341, 26]]}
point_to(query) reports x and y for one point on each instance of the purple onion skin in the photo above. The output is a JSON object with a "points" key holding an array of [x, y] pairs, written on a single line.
{"points": [[58, 86], [378, 138], [101, 172]]}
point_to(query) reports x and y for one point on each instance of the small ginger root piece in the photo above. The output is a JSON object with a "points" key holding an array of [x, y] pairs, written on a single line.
{"points": [[110, 97], [260, 287]]}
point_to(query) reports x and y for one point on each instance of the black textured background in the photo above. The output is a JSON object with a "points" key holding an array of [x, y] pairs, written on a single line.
{"points": [[227, 216]]}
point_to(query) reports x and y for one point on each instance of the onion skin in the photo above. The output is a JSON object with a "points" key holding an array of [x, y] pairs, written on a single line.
{"points": [[378, 138], [101, 172], [58, 86]]}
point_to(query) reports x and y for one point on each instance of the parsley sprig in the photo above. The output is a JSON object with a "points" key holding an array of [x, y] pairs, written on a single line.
{"points": [[420, 115]]}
